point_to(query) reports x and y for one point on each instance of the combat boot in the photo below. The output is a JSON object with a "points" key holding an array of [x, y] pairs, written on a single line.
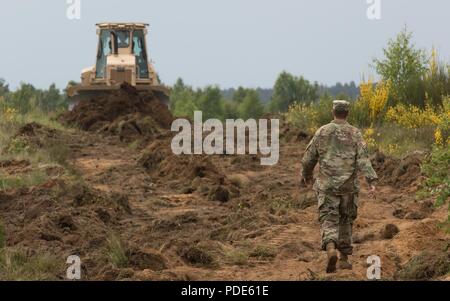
{"points": [[332, 257], [344, 264]]}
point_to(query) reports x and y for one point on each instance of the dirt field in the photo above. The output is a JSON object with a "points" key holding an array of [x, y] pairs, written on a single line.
{"points": [[208, 218]]}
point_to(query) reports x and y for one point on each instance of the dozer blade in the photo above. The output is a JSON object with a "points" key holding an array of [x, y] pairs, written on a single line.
{"points": [[91, 93], [84, 96]]}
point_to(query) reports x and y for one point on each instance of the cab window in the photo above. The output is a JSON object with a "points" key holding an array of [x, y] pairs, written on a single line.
{"points": [[141, 54], [123, 38], [104, 48]]}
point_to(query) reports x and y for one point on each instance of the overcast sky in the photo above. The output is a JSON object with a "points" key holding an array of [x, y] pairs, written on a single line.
{"points": [[225, 42]]}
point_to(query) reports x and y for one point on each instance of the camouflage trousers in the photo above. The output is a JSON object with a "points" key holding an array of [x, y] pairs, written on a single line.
{"points": [[336, 216]]}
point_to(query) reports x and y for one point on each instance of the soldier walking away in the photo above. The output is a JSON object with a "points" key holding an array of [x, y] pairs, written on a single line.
{"points": [[341, 152]]}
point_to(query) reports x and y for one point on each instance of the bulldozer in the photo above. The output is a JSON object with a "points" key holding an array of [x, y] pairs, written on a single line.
{"points": [[121, 57]]}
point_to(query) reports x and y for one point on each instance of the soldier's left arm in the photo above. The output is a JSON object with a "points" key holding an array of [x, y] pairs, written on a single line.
{"points": [[362, 159]]}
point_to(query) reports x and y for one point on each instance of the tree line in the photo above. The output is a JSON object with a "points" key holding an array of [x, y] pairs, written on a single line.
{"points": [[27, 98], [415, 76]]}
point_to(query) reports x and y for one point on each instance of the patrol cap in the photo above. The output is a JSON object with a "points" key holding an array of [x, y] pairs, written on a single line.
{"points": [[341, 105]]}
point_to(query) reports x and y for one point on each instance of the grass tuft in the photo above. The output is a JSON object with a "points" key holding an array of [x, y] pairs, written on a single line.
{"points": [[116, 253]]}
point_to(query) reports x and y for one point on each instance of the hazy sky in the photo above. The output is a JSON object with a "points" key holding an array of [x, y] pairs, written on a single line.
{"points": [[225, 42]]}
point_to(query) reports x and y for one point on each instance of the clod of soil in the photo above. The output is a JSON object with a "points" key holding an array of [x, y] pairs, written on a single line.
{"points": [[146, 259], [219, 194], [389, 231], [415, 215], [427, 265], [361, 238], [399, 213], [197, 256], [66, 221]]}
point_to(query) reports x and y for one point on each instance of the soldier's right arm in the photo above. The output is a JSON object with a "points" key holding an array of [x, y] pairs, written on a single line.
{"points": [[310, 159], [363, 162]]}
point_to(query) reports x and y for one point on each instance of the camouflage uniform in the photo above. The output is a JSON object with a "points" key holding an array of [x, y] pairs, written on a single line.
{"points": [[341, 152]]}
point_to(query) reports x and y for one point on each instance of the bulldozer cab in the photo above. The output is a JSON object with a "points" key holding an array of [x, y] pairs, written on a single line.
{"points": [[121, 58], [122, 39]]}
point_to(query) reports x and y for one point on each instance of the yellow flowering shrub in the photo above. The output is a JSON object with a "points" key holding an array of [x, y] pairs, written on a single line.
{"points": [[8, 114], [439, 140], [369, 137], [444, 124], [413, 117], [391, 149], [374, 98]]}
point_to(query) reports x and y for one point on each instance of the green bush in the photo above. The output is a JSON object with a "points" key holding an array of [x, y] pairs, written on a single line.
{"points": [[437, 171], [359, 114], [184, 100], [27, 98], [290, 89]]}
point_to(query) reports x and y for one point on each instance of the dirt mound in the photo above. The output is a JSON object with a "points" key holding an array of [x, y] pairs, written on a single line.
{"points": [[398, 172], [34, 129], [60, 220], [293, 134], [159, 158], [192, 172], [413, 210], [33, 136], [125, 112], [425, 266]]}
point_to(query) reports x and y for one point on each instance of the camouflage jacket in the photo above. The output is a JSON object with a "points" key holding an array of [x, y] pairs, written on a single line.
{"points": [[341, 152]]}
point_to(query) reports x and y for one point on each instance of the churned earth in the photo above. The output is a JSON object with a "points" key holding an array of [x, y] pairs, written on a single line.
{"points": [[133, 210]]}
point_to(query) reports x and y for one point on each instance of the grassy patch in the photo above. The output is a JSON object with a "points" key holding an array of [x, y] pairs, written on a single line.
{"points": [[281, 204], [33, 178], [236, 257], [115, 252], [394, 140], [40, 153], [425, 266], [7, 130], [46, 119], [15, 265]]}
